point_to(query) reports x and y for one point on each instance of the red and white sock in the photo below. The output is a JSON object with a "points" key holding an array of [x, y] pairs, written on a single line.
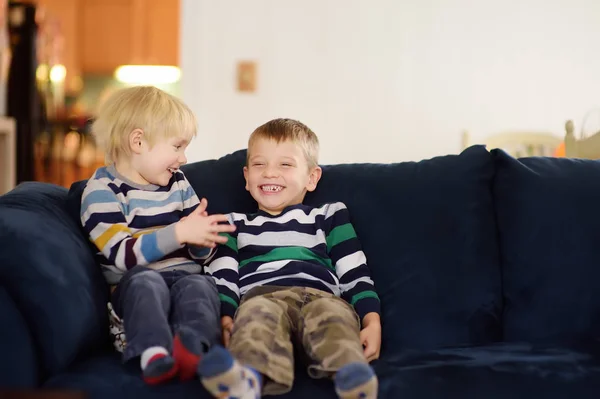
{"points": [[157, 365], [187, 361]]}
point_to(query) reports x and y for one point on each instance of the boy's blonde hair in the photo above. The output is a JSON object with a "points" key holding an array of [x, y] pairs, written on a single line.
{"points": [[157, 113], [284, 129]]}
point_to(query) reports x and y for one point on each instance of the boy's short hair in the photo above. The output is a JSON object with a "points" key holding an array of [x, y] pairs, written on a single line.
{"points": [[284, 129], [157, 113]]}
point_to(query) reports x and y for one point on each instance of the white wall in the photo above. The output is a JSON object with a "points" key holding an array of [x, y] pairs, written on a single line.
{"points": [[389, 80]]}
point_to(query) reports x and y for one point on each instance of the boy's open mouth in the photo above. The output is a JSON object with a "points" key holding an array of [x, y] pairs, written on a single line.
{"points": [[271, 188]]}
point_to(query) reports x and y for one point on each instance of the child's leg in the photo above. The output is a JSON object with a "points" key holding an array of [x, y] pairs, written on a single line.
{"points": [[330, 333], [261, 341], [142, 301], [195, 317]]}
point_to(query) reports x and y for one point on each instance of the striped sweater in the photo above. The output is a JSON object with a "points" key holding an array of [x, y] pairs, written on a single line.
{"points": [[302, 246], [133, 224]]}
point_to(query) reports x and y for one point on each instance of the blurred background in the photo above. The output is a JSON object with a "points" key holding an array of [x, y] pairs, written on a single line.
{"points": [[378, 81]]}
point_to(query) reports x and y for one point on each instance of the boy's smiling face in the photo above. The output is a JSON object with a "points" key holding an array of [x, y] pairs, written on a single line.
{"points": [[278, 174], [156, 163]]}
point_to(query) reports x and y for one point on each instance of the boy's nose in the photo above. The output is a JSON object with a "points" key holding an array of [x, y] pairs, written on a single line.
{"points": [[182, 159], [270, 172]]}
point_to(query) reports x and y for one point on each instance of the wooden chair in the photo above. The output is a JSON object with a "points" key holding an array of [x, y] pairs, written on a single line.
{"points": [[584, 147]]}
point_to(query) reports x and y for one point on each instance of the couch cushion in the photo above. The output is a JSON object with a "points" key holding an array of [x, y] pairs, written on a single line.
{"points": [[48, 269], [548, 212], [493, 372], [428, 231], [18, 368], [429, 234], [104, 376]]}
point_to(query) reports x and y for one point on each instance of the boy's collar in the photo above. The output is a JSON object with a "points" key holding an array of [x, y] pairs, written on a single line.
{"points": [[147, 187], [285, 210]]}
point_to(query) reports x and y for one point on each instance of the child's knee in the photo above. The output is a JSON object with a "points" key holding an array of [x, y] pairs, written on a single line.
{"points": [[201, 281], [259, 310], [144, 278], [330, 310]]}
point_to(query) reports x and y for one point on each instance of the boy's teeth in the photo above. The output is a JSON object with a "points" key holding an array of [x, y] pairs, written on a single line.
{"points": [[272, 188]]}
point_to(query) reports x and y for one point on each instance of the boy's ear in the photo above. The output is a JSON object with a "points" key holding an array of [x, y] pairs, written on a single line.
{"points": [[136, 138], [313, 178], [246, 177]]}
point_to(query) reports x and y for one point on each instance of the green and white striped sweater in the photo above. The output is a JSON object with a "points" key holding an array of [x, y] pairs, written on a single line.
{"points": [[302, 246]]}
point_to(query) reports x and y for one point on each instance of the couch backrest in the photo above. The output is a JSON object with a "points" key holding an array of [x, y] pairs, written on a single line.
{"points": [[548, 212], [428, 231]]}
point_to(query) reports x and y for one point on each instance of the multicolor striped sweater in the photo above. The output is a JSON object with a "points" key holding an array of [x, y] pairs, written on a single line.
{"points": [[302, 246], [133, 224]]}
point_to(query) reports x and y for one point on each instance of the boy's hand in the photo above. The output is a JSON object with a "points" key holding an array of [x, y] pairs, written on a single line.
{"points": [[201, 208], [203, 213], [202, 230], [227, 326], [370, 335]]}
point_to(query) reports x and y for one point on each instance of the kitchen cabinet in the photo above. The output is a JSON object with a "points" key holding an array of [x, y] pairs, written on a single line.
{"points": [[101, 35]]}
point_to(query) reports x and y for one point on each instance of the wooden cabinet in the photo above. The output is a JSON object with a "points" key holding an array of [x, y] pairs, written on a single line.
{"points": [[100, 35], [162, 32], [105, 35]]}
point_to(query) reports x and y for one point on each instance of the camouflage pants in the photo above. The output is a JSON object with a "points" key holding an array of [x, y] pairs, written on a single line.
{"points": [[272, 320]]}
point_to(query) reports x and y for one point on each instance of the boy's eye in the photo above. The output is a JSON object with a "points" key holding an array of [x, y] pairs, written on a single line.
{"points": [[257, 164], [286, 164], [177, 147]]}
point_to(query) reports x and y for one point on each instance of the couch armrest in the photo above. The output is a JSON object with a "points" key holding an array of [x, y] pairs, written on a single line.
{"points": [[19, 365], [48, 269]]}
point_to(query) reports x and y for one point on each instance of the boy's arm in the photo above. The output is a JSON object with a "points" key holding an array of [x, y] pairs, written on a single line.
{"points": [[103, 220], [224, 270], [350, 262]]}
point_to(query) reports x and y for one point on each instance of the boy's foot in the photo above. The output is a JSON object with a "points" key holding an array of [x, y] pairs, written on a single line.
{"points": [[356, 381], [187, 361], [224, 377], [157, 365]]}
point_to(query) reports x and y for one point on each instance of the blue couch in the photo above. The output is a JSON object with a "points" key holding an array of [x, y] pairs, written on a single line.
{"points": [[488, 269]]}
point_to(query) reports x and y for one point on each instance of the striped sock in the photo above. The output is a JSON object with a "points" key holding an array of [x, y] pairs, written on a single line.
{"points": [[224, 377], [157, 365], [356, 381]]}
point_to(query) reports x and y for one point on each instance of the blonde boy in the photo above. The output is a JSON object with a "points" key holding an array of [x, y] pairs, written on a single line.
{"points": [[302, 278], [152, 232]]}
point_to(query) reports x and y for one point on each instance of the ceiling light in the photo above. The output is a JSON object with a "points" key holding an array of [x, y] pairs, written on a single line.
{"points": [[147, 74]]}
